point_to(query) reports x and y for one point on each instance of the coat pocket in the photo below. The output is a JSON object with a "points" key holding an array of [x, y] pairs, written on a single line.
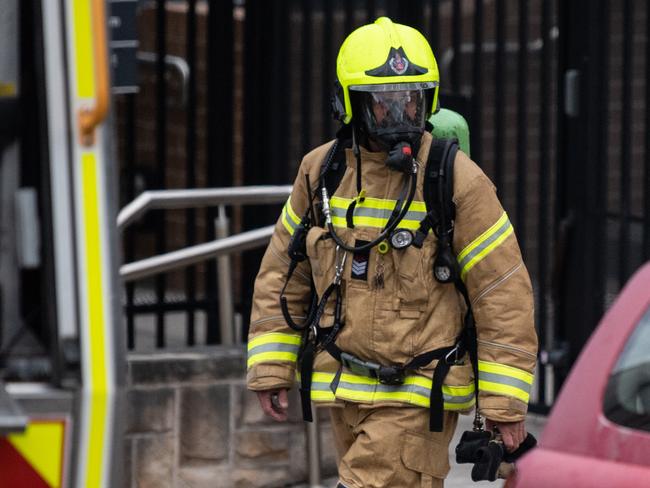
{"points": [[321, 250], [424, 455], [412, 286]]}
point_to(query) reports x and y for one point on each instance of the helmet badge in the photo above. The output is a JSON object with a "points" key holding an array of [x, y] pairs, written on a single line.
{"points": [[398, 63]]}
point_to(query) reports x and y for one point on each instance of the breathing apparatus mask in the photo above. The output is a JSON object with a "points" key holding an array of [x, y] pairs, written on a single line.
{"points": [[394, 117]]}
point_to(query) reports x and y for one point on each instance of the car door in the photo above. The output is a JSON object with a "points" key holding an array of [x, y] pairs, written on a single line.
{"points": [[598, 433]]}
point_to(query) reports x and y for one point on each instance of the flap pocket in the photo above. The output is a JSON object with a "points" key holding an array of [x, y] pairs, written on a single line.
{"points": [[320, 249], [412, 290], [424, 455]]}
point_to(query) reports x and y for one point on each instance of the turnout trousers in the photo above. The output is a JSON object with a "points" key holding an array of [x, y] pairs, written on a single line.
{"points": [[382, 447]]}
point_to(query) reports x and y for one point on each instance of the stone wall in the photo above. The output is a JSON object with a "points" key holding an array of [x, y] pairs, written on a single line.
{"points": [[191, 423]]}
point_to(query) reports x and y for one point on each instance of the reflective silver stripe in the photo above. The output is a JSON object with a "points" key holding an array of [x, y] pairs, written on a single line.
{"points": [[504, 380], [485, 244], [273, 347], [457, 398], [288, 222], [418, 390], [378, 213], [380, 388], [321, 386]]}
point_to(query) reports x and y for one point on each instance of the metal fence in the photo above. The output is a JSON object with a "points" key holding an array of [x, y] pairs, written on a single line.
{"points": [[555, 93], [604, 158]]}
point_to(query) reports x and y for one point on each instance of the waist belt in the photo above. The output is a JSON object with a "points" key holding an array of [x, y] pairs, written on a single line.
{"points": [[387, 375]]}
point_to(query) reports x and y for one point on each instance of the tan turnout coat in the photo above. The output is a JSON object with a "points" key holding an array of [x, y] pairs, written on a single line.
{"points": [[411, 313]]}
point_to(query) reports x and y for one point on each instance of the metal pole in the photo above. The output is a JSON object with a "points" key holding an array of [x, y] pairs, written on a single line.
{"points": [[313, 450], [224, 281]]}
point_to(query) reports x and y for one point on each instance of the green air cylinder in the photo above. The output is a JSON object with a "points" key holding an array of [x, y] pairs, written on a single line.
{"points": [[448, 124]]}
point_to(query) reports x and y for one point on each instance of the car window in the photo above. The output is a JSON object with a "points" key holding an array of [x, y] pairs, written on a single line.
{"points": [[627, 397]]}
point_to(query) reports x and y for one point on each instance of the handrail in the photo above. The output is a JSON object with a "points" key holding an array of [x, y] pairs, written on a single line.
{"points": [[195, 254], [90, 118], [175, 62], [200, 197]]}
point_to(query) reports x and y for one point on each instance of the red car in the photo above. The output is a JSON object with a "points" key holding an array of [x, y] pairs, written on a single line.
{"points": [[598, 434]]}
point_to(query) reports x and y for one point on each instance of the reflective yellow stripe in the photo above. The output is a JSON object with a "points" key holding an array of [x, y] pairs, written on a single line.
{"points": [[83, 42], [322, 396], [460, 406], [289, 218], [502, 379], [273, 346], [374, 222], [378, 203], [505, 370], [415, 391], [291, 212], [273, 337], [484, 244], [482, 237], [500, 389], [286, 223], [375, 212], [272, 356], [98, 380]]}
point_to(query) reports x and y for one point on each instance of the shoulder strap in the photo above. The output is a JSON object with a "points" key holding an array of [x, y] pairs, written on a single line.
{"points": [[438, 189], [439, 180]]}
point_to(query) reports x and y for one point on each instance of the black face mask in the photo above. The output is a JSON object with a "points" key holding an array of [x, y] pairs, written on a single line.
{"points": [[395, 120]]}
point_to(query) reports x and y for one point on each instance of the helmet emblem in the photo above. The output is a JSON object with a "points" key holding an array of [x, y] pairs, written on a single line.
{"points": [[398, 63]]}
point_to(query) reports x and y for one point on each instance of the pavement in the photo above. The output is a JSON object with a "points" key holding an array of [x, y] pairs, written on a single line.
{"points": [[460, 474]]}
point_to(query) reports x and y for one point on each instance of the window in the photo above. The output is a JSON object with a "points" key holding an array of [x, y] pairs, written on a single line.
{"points": [[627, 398]]}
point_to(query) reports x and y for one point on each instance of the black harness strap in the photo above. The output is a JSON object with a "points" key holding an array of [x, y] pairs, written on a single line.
{"points": [[438, 192], [306, 370]]}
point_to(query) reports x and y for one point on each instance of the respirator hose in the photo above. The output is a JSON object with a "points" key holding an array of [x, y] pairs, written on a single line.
{"points": [[391, 225]]}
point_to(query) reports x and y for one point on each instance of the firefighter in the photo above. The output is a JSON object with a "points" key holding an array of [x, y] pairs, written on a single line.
{"points": [[346, 298]]}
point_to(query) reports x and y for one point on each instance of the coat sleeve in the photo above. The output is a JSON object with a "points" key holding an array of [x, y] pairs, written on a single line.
{"points": [[272, 345], [500, 291]]}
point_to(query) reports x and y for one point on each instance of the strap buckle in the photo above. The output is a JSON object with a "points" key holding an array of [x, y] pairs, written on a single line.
{"points": [[387, 375], [391, 375], [356, 365]]}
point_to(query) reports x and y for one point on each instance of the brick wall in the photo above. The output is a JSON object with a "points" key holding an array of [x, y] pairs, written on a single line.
{"points": [[191, 423]]}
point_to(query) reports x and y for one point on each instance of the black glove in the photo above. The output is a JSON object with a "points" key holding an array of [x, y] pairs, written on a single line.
{"points": [[467, 450], [524, 447], [487, 466], [486, 453]]}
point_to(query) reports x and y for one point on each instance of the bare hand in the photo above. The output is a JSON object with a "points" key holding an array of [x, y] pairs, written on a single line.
{"points": [[275, 403], [512, 433]]}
